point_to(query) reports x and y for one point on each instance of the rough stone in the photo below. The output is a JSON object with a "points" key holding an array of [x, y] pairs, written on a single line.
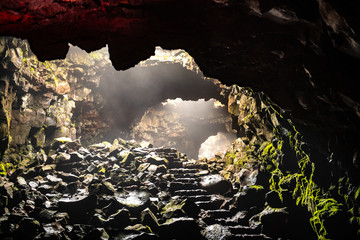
{"points": [[216, 232], [215, 184]]}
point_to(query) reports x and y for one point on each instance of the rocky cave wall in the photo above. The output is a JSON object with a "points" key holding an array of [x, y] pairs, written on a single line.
{"points": [[39, 100], [303, 54], [84, 97]]}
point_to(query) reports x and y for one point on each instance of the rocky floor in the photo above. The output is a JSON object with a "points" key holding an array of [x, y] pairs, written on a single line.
{"points": [[123, 191]]}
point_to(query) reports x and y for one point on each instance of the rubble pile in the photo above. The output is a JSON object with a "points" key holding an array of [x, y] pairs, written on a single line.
{"points": [[124, 190]]}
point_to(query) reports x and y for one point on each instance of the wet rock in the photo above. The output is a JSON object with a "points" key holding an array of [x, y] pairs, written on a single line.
{"points": [[180, 208], [253, 196], [59, 141], [143, 167], [28, 228], [176, 227], [53, 179], [47, 215], [215, 184], [137, 236], [62, 218], [138, 228], [127, 157], [62, 157], [273, 199], [53, 229], [148, 218], [135, 201], [96, 234], [274, 222], [157, 160], [68, 177], [78, 207], [152, 168], [75, 157], [119, 219], [216, 232]]}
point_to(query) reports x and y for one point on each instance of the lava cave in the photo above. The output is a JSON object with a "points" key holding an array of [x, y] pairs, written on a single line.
{"points": [[169, 119]]}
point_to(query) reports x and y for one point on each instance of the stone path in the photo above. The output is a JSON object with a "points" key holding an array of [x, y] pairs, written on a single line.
{"points": [[121, 191]]}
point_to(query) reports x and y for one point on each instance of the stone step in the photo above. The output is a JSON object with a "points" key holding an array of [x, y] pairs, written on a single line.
{"points": [[175, 164], [195, 165], [239, 229], [210, 205], [249, 237], [185, 175], [182, 186], [199, 198], [192, 192], [183, 170], [187, 180], [228, 222], [218, 213]]}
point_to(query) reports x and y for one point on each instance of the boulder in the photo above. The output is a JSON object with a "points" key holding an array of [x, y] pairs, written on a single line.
{"points": [[273, 199], [215, 184], [253, 196], [148, 218]]}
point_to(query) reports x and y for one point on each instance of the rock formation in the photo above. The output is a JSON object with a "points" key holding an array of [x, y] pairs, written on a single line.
{"points": [[295, 107]]}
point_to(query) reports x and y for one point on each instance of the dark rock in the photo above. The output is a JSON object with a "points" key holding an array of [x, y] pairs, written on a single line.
{"points": [[180, 208], [215, 184], [75, 157], [148, 218], [250, 197], [143, 167], [47, 215], [28, 228], [176, 227], [119, 219], [274, 222], [103, 187], [157, 161], [96, 234], [78, 207], [273, 199], [127, 157], [62, 218], [68, 177]]}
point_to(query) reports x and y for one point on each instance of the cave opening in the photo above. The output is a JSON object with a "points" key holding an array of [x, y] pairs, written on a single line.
{"points": [[224, 159], [164, 100]]}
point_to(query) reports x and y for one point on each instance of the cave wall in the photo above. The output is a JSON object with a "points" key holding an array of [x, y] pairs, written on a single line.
{"points": [[83, 96], [320, 195], [303, 54]]}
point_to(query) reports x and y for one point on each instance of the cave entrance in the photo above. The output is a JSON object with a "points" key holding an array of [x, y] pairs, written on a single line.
{"points": [[164, 100], [198, 128]]}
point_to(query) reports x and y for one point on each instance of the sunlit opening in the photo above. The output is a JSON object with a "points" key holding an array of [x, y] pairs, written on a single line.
{"points": [[164, 100]]}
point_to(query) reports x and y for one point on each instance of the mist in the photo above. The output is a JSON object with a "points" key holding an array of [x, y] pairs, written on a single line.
{"points": [[121, 100]]}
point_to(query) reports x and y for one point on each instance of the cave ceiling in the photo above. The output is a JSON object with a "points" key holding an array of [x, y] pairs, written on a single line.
{"points": [[304, 54]]}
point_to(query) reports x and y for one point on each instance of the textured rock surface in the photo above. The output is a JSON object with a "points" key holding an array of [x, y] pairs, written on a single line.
{"points": [[83, 96], [103, 195]]}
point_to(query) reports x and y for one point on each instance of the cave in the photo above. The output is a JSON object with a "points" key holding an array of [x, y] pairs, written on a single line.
{"points": [[137, 119]]}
